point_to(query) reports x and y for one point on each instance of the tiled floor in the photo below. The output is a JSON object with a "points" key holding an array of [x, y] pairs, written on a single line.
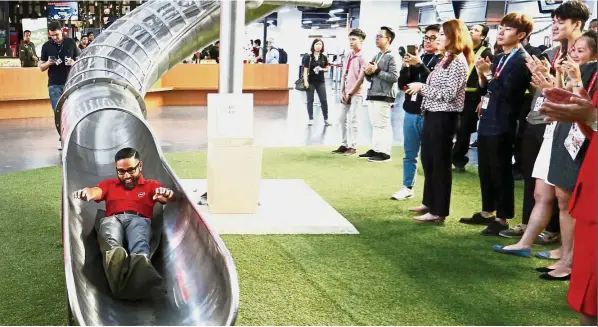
{"points": [[33, 143]]}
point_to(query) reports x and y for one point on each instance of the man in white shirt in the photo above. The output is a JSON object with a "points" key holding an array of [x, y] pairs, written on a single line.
{"points": [[272, 56]]}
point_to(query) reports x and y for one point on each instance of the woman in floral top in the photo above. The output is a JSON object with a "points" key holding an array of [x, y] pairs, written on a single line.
{"points": [[443, 99]]}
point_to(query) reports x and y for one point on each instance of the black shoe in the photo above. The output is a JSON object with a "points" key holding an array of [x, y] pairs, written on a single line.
{"points": [[341, 149], [494, 229], [380, 157], [546, 276], [544, 269], [368, 154], [478, 219]]}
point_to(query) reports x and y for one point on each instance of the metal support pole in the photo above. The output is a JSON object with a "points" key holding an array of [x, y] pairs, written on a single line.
{"points": [[264, 49], [232, 32]]}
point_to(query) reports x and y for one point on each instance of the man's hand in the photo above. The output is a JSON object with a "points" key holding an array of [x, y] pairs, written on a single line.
{"points": [[35, 58], [542, 81], [70, 62], [479, 109], [564, 106], [371, 68], [483, 66], [413, 88], [163, 194], [82, 194], [536, 65], [413, 60]]}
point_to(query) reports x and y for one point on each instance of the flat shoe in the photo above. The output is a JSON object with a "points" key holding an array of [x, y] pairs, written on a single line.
{"points": [[429, 219], [420, 210], [547, 276], [545, 255], [544, 269], [520, 252]]}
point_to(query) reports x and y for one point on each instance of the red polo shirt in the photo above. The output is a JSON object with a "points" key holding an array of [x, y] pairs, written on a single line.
{"points": [[138, 199]]}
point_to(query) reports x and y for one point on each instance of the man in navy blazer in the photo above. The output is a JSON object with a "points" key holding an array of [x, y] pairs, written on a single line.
{"points": [[504, 81]]}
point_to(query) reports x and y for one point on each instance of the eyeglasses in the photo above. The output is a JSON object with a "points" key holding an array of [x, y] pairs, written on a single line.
{"points": [[430, 38], [378, 36], [131, 171]]}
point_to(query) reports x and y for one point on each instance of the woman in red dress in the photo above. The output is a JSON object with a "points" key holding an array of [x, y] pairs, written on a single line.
{"points": [[563, 106]]}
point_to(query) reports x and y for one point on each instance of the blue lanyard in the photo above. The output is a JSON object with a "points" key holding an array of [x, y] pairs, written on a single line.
{"points": [[499, 67]]}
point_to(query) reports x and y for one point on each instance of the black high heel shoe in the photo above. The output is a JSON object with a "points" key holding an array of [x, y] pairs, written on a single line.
{"points": [[544, 269], [546, 276]]}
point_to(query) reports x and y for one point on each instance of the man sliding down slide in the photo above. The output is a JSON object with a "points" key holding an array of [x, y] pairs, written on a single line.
{"points": [[130, 202]]}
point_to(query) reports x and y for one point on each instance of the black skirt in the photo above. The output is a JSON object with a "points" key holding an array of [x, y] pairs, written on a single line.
{"points": [[563, 170]]}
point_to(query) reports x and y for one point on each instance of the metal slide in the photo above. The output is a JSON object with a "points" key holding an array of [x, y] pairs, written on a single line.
{"points": [[101, 111]]}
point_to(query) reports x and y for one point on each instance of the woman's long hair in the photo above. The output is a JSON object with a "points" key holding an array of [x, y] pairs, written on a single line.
{"points": [[458, 41]]}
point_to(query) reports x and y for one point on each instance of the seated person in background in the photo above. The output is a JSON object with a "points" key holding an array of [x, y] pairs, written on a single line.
{"points": [[130, 202]]}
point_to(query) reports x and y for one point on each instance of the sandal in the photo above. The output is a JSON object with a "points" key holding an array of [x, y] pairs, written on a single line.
{"points": [[429, 218], [421, 209]]}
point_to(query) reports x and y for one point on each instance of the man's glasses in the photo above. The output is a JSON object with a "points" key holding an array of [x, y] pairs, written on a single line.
{"points": [[378, 36], [131, 171], [430, 38]]}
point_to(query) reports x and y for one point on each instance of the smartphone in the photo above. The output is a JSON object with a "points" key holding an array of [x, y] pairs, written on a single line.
{"points": [[402, 52], [412, 50]]}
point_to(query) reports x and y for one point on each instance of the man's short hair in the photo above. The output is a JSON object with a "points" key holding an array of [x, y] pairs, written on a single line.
{"points": [[54, 26], [433, 27], [26, 31], [389, 32], [126, 153], [521, 22], [359, 33], [89, 33], [575, 10]]}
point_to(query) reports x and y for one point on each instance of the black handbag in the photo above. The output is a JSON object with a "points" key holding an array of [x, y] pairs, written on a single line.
{"points": [[300, 83]]}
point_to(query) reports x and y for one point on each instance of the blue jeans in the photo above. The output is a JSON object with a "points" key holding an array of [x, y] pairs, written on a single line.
{"points": [[55, 93], [413, 126], [137, 230]]}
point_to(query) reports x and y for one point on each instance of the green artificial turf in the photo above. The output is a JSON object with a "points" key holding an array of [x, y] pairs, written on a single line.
{"points": [[396, 272]]}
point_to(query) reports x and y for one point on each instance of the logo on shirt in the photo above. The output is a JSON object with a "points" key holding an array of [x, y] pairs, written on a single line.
{"points": [[141, 194]]}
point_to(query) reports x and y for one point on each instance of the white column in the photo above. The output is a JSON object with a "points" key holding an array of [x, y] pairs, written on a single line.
{"points": [[289, 27], [374, 14]]}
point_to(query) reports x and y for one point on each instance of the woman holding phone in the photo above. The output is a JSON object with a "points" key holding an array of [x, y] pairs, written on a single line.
{"points": [[314, 66], [443, 99]]}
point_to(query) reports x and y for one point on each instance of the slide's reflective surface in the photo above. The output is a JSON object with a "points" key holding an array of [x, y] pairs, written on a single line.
{"points": [[102, 111]]}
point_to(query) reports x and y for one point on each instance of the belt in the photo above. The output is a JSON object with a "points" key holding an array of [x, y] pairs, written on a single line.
{"points": [[130, 212]]}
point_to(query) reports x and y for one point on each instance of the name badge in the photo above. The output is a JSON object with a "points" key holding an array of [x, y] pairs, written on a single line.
{"points": [[538, 103], [485, 101], [414, 97], [574, 141]]}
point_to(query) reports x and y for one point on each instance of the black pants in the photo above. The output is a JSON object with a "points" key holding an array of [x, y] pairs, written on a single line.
{"points": [[521, 126], [530, 147], [436, 154], [495, 153], [468, 121], [321, 89]]}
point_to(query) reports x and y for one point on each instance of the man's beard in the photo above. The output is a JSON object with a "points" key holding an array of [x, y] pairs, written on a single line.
{"points": [[132, 184]]}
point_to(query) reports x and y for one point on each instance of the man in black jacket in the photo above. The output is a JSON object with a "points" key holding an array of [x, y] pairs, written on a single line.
{"points": [[468, 120], [415, 69]]}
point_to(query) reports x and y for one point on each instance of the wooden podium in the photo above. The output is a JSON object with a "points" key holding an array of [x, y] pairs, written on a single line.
{"points": [[234, 163]]}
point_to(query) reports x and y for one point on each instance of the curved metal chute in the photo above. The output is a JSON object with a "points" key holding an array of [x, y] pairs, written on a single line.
{"points": [[101, 111]]}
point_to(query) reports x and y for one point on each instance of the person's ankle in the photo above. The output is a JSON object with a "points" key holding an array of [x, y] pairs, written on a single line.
{"points": [[502, 221], [487, 214]]}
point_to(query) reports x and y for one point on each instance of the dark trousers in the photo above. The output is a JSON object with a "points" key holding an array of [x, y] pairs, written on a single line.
{"points": [[495, 153], [320, 88], [468, 120], [436, 154], [530, 147], [521, 126]]}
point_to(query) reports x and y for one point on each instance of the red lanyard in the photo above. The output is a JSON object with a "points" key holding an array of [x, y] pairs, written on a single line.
{"points": [[592, 83], [349, 62]]}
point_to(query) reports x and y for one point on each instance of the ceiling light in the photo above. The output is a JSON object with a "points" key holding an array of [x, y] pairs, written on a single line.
{"points": [[307, 22], [333, 19], [315, 27], [283, 10], [335, 26], [270, 21], [334, 11]]}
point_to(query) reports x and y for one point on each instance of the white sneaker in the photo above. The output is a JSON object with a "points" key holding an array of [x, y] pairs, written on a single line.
{"points": [[311, 122], [403, 194]]}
